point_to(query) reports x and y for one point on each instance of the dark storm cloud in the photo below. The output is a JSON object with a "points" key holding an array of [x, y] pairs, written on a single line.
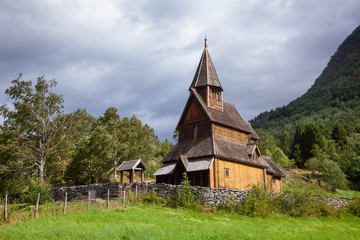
{"points": [[141, 56]]}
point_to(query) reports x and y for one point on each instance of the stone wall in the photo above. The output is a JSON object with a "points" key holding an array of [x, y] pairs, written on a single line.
{"points": [[211, 196]]}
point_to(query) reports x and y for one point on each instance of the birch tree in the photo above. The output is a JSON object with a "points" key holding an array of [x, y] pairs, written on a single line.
{"points": [[37, 117]]}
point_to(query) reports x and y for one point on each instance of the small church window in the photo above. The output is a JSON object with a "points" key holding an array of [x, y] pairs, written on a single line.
{"points": [[196, 131], [273, 179], [227, 172], [218, 96]]}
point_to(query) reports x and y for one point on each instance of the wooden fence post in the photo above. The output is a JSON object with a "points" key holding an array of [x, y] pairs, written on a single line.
{"points": [[88, 200], [5, 209], [136, 191], [108, 202], [65, 203], [124, 196], [36, 213]]}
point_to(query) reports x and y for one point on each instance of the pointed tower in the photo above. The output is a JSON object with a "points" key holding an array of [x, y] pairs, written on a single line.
{"points": [[216, 148], [207, 83]]}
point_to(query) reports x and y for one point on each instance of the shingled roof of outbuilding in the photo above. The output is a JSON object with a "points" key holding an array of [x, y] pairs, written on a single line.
{"points": [[132, 164], [205, 73]]}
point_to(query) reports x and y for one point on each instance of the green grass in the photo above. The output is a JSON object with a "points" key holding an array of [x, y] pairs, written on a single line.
{"points": [[347, 193], [146, 221], [294, 183]]}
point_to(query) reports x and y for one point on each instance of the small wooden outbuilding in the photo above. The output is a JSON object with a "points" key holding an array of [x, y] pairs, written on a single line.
{"points": [[132, 167]]}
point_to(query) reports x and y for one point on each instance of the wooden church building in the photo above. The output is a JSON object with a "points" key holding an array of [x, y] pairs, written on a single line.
{"points": [[217, 148]]}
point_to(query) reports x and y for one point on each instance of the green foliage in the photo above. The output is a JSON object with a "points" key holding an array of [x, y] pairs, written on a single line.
{"points": [[111, 141], [339, 134], [262, 204], [327, 115], [330, 170], [36, 119], [332, 174], [257, 204], [354, 206], [313, 164], [31, 195], [268, 146], [37, 137], [186, 195], [151, 198]]}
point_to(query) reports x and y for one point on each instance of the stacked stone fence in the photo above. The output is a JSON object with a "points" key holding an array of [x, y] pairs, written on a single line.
{"points": [[210, 196]]}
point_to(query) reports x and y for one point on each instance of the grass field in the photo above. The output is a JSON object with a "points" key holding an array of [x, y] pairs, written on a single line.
{"points": [[147, 221]]}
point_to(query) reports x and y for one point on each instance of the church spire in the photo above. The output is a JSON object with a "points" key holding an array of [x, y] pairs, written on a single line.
{"points": [[206, 74]]}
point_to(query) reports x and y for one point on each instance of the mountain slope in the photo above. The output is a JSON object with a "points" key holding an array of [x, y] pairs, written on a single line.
{"points": [[335, 95]]}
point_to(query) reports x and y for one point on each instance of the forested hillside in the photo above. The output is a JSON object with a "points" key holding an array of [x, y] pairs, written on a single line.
{"points": [[320, 130], [41, 145]]}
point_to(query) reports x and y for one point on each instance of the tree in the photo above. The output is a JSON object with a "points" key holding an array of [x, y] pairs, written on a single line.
{"points": [[36, 119], [77, 126], [15, 171], [268, 146], [339, 134], [112, 123], [111, 141]]}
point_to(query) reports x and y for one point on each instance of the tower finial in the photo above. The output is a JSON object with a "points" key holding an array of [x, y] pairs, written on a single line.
{"points": [[205, 41]]}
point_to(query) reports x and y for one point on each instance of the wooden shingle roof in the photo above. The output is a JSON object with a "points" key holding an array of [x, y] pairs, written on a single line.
{"points": [[229, 116], [205, 73], [253, 133], [271, 166], [195, 149], [130, 165]]}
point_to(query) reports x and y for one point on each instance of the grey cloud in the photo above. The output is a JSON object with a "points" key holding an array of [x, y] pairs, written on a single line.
{"points": [[140, 56]]}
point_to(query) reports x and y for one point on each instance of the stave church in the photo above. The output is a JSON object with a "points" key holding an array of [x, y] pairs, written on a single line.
{"points": [[216, 147]]}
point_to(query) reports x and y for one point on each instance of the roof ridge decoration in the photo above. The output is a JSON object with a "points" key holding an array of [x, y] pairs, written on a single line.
{"points": [[205, 74]]}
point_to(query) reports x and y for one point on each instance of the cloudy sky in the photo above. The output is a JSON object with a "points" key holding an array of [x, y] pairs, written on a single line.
{"points": [[141, 56]]}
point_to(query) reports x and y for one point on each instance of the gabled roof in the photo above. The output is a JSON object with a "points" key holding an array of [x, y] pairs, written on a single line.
{"points": [[130, 165], [205, 74], [229, 116], [189, 165], [167, 168], [252, 147], [253, 134], [271, 166], [193, 148]]}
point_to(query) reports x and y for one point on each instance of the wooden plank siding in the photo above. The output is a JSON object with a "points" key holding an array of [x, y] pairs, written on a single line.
{"points": [[240, 176], [230, 135], [271, 186], [213, 174], [195, 113]]}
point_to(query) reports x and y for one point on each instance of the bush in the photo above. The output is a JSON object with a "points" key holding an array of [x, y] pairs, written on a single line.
{"points": [[186, 196], [36, 187], [305, 205], [151, 198], [354, 206], [333, 174], [261, 204]]}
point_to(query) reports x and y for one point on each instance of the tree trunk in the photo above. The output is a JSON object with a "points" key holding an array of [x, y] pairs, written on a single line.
{"points": [[41, 171], [115, 176]]}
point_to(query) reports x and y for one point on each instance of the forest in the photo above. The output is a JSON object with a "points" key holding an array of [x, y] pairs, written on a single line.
{"points": [[320, 131], [41, 146]]}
